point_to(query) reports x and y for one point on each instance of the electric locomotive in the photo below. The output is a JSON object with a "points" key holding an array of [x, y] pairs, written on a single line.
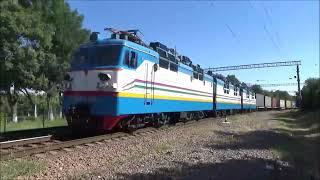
{"points": [[121, 82]]}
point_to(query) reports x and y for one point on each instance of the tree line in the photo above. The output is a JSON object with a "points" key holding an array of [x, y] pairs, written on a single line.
{"points": [[37, 38]]}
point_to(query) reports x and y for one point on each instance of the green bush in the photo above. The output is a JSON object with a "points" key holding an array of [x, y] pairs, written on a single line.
{"points": [[311, 94]]}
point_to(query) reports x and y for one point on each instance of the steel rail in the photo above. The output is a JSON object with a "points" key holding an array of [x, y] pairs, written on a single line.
{"points": [[56, 145], [20, 142]]}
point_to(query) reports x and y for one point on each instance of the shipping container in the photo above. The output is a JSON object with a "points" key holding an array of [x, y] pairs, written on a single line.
{"points": [[282, 104], [267, 102], [275, 103], [288, 104], [260, 101]]}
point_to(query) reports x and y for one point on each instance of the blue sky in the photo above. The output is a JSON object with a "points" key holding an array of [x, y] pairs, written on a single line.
{"points": [[221, 33]]}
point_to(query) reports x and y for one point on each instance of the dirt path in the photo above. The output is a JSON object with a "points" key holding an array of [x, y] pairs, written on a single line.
{"points": [[241, 149]]}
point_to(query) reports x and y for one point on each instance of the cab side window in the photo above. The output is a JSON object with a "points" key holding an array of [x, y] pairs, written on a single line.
{"points": [[130, 59], [127, 58], [133, 59]]}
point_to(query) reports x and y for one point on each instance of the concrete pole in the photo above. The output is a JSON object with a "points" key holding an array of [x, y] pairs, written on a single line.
{"points": [[299, 90], [35, 111]]}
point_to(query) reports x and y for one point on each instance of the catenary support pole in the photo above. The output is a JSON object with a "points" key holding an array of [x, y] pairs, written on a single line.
{"points": [[299, 90]]}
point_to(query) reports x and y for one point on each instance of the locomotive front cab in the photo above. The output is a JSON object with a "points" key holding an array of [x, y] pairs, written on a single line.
{"points": [[91, 85]]}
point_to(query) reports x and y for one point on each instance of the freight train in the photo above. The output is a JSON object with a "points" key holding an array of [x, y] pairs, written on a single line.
{"points": [[121, 82], [267, 103]]}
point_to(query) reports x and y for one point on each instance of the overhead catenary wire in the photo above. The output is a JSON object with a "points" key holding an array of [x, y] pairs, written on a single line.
{"points": [[265, 27], [234, 35], [267, 13]]}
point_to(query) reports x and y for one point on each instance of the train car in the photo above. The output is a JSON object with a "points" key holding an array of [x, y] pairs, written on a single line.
{"points": [[227, 96], [275, 103], [282, 104], [267, 102], [260, 101], [248, 100], [288, 104]]}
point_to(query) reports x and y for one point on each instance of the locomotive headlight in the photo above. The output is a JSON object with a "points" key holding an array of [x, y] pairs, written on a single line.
{"points": [[104, 77], [104, 81]]}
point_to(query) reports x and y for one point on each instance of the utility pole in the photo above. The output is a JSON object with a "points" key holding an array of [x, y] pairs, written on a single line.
{"points": [[299, 90]]}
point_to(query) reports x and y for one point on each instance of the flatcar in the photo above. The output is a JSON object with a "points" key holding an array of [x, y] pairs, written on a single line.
{"points": [[123, 83]]}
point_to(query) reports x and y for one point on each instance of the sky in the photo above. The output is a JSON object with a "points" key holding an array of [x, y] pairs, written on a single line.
{"points": [[222, 33]]}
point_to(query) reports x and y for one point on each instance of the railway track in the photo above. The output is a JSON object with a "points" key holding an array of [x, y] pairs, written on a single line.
{"points": [[30, 146], [30, 133], [37, 145], [21, 142]]}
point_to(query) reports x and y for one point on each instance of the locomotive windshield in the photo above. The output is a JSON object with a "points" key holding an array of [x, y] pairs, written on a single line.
{"points": [[96, 56]]}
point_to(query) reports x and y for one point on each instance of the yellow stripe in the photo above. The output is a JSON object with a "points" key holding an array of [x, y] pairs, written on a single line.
{"points": [[136, 95]]}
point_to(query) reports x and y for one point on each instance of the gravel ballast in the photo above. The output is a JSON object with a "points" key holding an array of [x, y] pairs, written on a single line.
{"points": [[208, 149]]}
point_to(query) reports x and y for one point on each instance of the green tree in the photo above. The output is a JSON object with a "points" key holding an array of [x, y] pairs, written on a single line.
{"points": [[282, 95], [311, 94], [233, 80], [37, 38], [257, 89], [25, 40], [68, 35]]}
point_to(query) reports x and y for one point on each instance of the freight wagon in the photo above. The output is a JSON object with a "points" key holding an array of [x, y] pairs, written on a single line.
{"points": [[275, 103], [288, 104], [267, 102], [260, 101], [282, 104]]}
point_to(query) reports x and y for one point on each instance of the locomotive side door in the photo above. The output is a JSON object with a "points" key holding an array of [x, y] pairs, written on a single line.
{"points": [[149, 84]]}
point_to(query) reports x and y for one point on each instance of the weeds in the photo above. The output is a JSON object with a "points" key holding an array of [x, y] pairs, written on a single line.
{"points": [[12, 169]]}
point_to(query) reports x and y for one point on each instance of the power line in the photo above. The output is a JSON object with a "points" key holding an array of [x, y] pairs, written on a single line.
{"points": [[253, 66], [266, 11], [269, 35], [275, 84], [271, 38], [234, 35]]}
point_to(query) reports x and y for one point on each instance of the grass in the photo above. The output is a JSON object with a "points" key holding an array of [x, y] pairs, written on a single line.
{"points": [[13, 169], [302, 146], [32, 124]]}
